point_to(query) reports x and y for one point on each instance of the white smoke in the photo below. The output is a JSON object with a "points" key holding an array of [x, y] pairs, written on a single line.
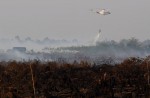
{"points": [[103, 51], [114, 51], [97, 38]]}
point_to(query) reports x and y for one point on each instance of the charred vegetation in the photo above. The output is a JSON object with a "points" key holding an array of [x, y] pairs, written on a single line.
{"points": [[128, 79]]}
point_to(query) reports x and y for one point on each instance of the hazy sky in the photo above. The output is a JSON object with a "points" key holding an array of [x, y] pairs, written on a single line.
{"points": [[72, 19]]}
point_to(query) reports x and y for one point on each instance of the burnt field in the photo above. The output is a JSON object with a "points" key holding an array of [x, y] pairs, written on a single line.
{"points": [[34, 79]]}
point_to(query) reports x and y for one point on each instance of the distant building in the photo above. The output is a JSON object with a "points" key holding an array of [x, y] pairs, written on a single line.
{"points": [[19, 49]]}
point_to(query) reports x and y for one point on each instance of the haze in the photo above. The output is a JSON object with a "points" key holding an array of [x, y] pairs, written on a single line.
{"points": [[72, 19]]}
